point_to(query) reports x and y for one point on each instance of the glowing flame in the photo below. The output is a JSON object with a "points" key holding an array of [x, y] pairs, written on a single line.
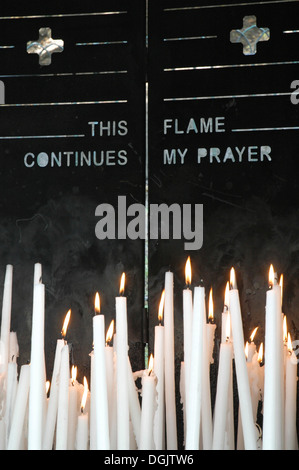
{"points": [[261, 353], [246, 349], [47, 386], [97, 303], [227, 327], [122, 284], [74, 374], [271, 276], [290, 347], [109, 334], [253, 333], [211, 305], [226, 295], [285, 329], [161, 307], [188, 272], [66, 323], [150, 364], [232, 281], [85, 393]]}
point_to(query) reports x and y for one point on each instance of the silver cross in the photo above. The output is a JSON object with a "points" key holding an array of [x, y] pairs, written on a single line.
{"points": [[249, 35], [45, 46]]}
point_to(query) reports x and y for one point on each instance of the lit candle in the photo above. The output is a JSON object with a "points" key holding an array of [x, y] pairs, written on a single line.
{"points": [[100, 380], [123, 418], [187, 316], [251, 345], [195, 386], [248, 424], [169, 366], [20, 409], [63, 400], [51, 415], [159, 420], [37, 370], [273, 429], [82, 426], [73, 409], [223, 390], [6, 319], [109, 359], [291, 439], [148, 407]]}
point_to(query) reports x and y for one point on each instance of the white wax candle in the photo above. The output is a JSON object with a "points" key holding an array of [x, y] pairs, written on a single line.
{"points": [[187, 318], [11, 389], [169, 367], [100, 384], [222, 395], [72, 414], [63, 400], [6, 319], [20, 409], [123, 418], [196, 370], [92, 419], [110, 392], [159, 420], [51, 415], [249, 430], [273, 410], [13, 347], [37, 388], [82, 432], [147, 411], [134, 405], [206, 426], [291, 438]]}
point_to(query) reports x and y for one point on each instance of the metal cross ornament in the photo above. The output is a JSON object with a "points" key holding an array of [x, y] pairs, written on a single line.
{"points": [[249, 35], [45, 46]]}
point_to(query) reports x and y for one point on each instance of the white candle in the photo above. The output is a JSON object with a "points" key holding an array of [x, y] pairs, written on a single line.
{"points": [[273, 428], [134, 405], [20, 409], [195, 387], [73, 409], [291, 439], [82, 426], [100, 382], [169, 367], [159, 420], [187, 323], [109, 359], [206, 425], [6, 319], [63, 400], [37, 389], [148, 408], [249, 430], [11, 389], [13, 347], [123, 418]]}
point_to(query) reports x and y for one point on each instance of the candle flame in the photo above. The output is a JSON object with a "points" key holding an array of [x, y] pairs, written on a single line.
{"points": [[285, 329], [109, 334], [47, 386], [150, 364], [227, 327], [246, 349], [97, 303], [226, 295], [211, 305], [66, 323], [290, 346], [261, 353], [188, 271], [74, 374], [122, 284], [271, 276], [253, 333], [161, 307], [85, 393], [233, 283]]}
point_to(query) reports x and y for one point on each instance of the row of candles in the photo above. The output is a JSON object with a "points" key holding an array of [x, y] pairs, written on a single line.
{"points": [[114, 414]]}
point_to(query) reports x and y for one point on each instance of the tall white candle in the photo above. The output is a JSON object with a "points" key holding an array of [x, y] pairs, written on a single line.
{"points": [[195, 386], [19, 411], [148, 408], [37, 389], [6, 319], [187, 323], [273, 428], [169, 367], [249, 430], [123, 418], [100, 382], [63, 400], [159, 419], [109, 359], [82, 426], [291, 438], [73, 409]]}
